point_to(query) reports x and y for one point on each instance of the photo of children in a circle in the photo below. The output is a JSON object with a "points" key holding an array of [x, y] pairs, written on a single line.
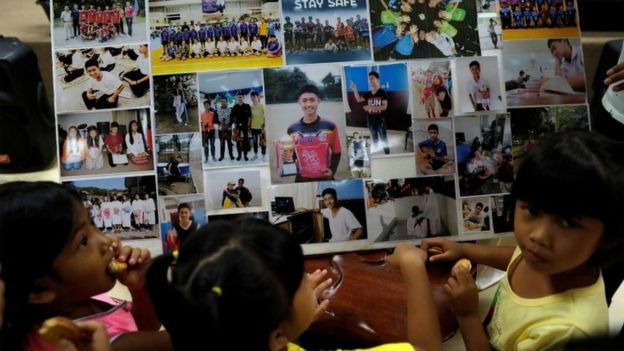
{"points": [[424, 29]]}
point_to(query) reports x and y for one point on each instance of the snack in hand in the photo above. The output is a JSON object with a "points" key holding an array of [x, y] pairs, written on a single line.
{"points": [[434, 250], [463, 262], [56, 328], [116, 267]]}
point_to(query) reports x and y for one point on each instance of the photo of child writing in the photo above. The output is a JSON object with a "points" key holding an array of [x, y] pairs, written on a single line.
{"points": [[66, 273], [553, 291]]}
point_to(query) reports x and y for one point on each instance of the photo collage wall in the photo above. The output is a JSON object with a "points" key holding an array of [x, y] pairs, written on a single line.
{"points": [[350, 123]]}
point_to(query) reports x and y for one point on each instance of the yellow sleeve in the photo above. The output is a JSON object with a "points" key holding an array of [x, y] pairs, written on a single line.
{"points": [[386, 347], [541, 337]]}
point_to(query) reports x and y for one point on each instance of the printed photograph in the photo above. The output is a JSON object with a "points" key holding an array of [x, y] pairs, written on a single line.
{"points": [[179, 166], [432, 88], [478, 84], [423, 29], [208, 35], [175, 103], [102, 78], [484, 159], [181, 215], [316, 212], [326, 31], [536, 19], [105, 142], [503, 213], [305, 124], [359, 152], [544, 72], [377, 102], [122, 206], [531, 124], [490, 37], [487, 6], [232, 118], [233, 189], [476, 215], [97, 22], [411, 208], [435, 147]]}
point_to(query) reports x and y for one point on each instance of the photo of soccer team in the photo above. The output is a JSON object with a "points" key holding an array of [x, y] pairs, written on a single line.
{"points": [[534, 19], [335, 31], [104, 22], [201, 38]]}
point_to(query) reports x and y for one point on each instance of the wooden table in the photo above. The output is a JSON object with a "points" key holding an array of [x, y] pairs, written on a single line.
{"points": [[368, 303]]}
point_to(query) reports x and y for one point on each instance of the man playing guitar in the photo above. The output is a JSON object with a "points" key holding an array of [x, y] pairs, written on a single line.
{"points": [[432, 156]]}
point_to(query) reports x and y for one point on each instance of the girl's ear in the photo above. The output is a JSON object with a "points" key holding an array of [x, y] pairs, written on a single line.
{"points": [[41, 294], [278, 341]]}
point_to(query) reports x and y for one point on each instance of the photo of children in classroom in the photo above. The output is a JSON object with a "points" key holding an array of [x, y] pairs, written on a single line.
{"points": [[98, 22], [200, 38], [423, 29], [102, 78]]}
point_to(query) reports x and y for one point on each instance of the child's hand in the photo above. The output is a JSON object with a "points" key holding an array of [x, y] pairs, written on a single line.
{"points": [[615, 74], [406, 254], [319, 285], [137, 260], [463, 293], [94, 335], [452, 251]]}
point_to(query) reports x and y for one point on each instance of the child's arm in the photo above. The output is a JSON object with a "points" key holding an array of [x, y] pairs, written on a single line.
{"points": [[465, 306], [493, 256], [423, 329]]}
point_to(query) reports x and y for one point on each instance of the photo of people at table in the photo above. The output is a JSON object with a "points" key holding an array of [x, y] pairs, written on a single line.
{"points": [[96, 22], [326, 31], [232, 118], [479, 85], [228, 190], [531, 124], [533, 19], [175, 103], [378, 99], [181, 216], [243, 35], [432, 87], [321, 212], [105, 142], [423, 29], [305, 124], [476, 215], [102, 78], [544, 72], [484, 154], [179, 166], [124, 207], [411, 208], [434, 144]]}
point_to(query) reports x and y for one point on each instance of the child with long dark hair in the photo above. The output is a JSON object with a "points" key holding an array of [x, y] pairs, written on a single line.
{"points": [[568, 192], [241, 285], [55, 263]]}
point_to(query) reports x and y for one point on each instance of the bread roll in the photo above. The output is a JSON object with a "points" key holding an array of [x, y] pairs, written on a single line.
{"points": [[57, 328], [116, 267], [463, 262]]}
